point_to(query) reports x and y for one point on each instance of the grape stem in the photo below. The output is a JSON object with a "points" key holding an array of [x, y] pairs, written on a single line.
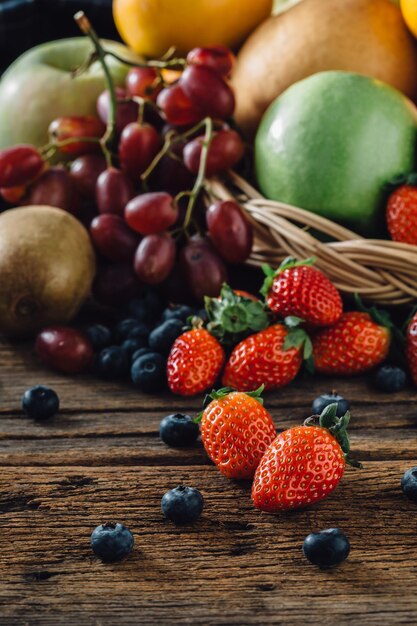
{"points": [[157, 64], [199, 181], [48, 150], [108, 141]]}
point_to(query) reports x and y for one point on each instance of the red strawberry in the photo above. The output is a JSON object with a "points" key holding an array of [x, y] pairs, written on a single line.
{"points": [[264, 359], [354, 345], [303, 464], [402, 214], [297, 289], [411, 348], [194, 363], [236, 430]]}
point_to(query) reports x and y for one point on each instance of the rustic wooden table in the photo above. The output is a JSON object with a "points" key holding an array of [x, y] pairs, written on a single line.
{"points": [[101, 459]]}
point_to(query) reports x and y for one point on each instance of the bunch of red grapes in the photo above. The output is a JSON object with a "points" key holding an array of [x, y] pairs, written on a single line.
{"points": [[138, 194]]}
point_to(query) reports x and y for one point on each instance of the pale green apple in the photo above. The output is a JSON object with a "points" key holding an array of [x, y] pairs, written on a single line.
{"points": [[332, 142], [39, 86]]}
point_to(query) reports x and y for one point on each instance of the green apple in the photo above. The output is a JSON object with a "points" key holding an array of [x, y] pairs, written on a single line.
{"points": [[332, 142], [39, 86]]}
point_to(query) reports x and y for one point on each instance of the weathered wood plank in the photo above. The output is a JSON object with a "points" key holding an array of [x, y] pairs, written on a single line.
{"points": [[21, 369], [235, 566]]}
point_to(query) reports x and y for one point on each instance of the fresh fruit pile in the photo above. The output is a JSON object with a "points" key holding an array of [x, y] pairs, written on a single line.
{"points": [[134, 175]]}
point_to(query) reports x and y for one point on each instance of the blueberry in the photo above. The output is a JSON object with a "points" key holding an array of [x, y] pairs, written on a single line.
{"points": [[123, 328], [140, 331], [40, 402], [100, 336], [137, 309], [179, 312], [182, 504], [202, 314], [113, 362], [320, 403], [132, 345], [111, 542], [146, 309], [409, 484], [326, 548], [163, 336], [148, 372], [390, 379], [178, 430], [139, 353]]}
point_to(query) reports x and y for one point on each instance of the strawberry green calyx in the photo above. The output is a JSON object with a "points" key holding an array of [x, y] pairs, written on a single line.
{"points": [[338, 427], [233, 317], [297, 337], [225, 391], [287, 264], [383, 318], [402, 179]]}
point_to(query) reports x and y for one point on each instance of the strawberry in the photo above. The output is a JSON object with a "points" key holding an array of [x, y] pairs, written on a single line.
{"points": [[236, 430], [411, 347], [272, 357], [401, 214], [194, 363], [303, 464], [234, 315], [354, 345], [297, 289]]}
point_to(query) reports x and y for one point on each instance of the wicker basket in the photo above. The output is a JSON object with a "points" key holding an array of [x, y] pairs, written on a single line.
{"points": [[380, 271]]}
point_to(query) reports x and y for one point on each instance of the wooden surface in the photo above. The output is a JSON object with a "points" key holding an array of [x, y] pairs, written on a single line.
{"points": [[101, 459]]}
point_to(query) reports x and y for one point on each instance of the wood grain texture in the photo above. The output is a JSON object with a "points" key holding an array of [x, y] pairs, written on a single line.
{"points": [[101, 459]]}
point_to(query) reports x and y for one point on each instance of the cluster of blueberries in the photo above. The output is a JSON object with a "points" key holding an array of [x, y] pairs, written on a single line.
{"points": [[139, 344], [183, 505]]}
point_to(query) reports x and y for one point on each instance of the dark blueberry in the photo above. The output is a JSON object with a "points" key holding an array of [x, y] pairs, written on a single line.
{"points": [[153, 304], [163, 336], [320, 403], [178, 430], [111, 542], [40, 402], [113, 363], [132, 345], [147, 309], [137, 309], [180, 312], [182, 504], [148, 372], [140, 331], [326, 548], [100, 336], [409, 484], [139, 353], [123, 328], [390, 379]]}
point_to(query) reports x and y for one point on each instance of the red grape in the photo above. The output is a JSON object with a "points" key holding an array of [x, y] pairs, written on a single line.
{"points": [[115, 284], [143, 82], [54, 188], [171, 174], [126, 111], [209, 93], [75, 126], [154, 258], [230, 231], [177, 108], [218, 58], [13, 195], [139, 145], [114, 189], [226, 149], [84, 172], [113, 238], [64, 349], [19, 165], [151, 213], [203, 270]]}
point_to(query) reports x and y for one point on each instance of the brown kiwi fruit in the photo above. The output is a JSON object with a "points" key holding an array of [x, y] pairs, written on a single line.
{"points": [[47, 265]]}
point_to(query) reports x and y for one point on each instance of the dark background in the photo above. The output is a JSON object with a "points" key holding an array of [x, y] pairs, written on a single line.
{"points": [[26, 23]]}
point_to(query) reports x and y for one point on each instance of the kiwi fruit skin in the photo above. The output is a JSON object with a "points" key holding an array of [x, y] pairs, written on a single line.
{"points": [[47, 266]]}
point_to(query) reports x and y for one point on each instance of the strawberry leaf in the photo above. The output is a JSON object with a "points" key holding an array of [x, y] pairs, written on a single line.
{"points": [[288, 263], [292, 321], [225, 391]]}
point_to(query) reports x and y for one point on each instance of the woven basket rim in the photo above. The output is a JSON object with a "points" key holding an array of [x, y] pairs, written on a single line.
{"points": [[381, 271]]}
